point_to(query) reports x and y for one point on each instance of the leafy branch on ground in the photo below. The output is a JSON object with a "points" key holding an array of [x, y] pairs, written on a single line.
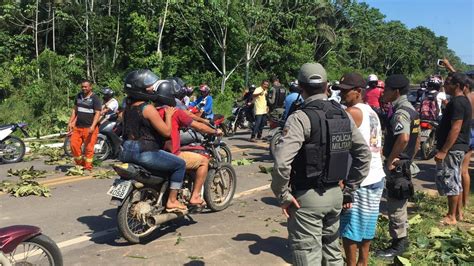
{"points": [[242, 161], [75, 170], [104, 174], [27, 173], [265, 170], [429, 241]]}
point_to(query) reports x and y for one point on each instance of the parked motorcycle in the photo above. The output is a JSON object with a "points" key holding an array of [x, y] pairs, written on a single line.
{"points": [[428, 138], [26, 245], [12, 148], [141, 194], [108, 143], [242, 117]]}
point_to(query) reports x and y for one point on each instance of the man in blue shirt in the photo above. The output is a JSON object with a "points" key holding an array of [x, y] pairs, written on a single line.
{"points": [[204, 102], [292, 97]]}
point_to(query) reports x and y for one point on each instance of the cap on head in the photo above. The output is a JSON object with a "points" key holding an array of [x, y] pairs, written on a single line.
{"points": [[312, 74], [350, 81], [397, 81]]}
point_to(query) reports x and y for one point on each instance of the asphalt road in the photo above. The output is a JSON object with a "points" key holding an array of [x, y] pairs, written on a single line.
{"points": [[79, 218]]}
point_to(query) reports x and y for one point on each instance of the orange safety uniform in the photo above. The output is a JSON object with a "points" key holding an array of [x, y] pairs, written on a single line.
{"points": [[85, 111]]}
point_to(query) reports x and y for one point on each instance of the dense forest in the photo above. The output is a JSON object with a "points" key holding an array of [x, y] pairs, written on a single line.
{"points": [[47, 47]]}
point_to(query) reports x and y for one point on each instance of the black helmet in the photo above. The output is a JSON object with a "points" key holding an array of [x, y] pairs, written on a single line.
{"points": [[252, 88], [294, 87], [177, 83], [166, 92], [136, 83], [178, 80], [106, 91]]}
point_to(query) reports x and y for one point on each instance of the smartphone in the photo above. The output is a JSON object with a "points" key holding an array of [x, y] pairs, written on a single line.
{"points": [[440, 63]]}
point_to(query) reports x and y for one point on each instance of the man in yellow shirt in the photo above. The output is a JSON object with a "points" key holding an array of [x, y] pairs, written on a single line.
{"points": [[260, 99]]}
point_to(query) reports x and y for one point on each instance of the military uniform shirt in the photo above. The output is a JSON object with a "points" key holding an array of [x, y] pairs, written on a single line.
{"points": [[297, 130], [400, 120]]}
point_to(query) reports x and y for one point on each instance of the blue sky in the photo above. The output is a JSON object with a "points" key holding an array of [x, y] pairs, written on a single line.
{"points": [[453, 19]]}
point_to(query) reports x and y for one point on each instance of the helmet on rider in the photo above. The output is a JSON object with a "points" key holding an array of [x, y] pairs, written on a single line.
{"points": [[252, 88], [107, 92], [204, 89], [434, 83], [176, 83], [372, 81], [166, 92], [141, 85], [294, 87]]}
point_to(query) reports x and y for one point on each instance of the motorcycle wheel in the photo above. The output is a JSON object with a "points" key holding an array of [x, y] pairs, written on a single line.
{"points": [[16, 144], [219, 188], [225, 153], [275, 138], [230, 129], [129, 226], [105, 148], [427, 148], [39, 250], [67, 146]]}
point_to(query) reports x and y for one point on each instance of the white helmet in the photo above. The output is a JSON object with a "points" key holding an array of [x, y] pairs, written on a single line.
{"points": [[372, 77]]}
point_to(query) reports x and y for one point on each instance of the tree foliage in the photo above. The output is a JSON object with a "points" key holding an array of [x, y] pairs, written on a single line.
{"points": [[47, 46]]}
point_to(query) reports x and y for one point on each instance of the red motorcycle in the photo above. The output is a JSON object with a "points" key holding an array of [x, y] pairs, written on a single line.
{"points": [[218, 121], [26, 245]]}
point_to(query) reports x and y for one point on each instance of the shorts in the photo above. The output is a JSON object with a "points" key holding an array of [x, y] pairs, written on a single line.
{"points": [[448, 174], [359, 222], [193, 160]]}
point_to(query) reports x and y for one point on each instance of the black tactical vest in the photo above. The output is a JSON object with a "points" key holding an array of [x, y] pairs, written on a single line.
{"points": [[323, 160], [390, 138]]}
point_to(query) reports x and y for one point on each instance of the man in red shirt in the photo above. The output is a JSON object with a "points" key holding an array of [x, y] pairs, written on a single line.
{"points": [[193, 160]]}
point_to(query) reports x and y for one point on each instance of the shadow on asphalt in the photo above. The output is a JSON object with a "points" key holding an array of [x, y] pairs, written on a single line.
{"points": [[63, 168], [427, 172], [108, 220], [273, 245], [195, 263], [270, 201]]}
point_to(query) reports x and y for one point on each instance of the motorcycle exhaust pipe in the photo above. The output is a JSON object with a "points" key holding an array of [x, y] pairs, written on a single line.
{"points": [[164, 217]]}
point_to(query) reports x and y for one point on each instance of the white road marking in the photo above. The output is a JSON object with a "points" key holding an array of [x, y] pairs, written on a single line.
{"points": [[85, 238]]}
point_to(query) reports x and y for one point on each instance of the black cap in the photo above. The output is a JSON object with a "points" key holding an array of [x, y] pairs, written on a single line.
{"points": [[397, 81], [350, 81]]}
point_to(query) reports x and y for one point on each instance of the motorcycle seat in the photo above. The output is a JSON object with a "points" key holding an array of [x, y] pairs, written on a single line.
{"points": [[2, 127], [140, 173]]}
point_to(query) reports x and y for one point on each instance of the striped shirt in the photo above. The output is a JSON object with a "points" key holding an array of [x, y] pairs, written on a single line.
{"points": [[86, 107]]}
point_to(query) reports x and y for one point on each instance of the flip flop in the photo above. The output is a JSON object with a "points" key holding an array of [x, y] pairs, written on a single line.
{"points": [[446, 223], [201, 204]]}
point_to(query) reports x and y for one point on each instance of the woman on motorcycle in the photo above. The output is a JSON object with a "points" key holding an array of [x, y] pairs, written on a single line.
{"points": [[145, 132]]}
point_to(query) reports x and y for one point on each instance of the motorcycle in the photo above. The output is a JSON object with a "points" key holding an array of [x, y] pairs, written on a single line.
{"points": [[242, 117], [26, 245], [428, 138], [141, 194], [190, 138], [12, 148], [276, 128], [217, 122], [109, 141]]}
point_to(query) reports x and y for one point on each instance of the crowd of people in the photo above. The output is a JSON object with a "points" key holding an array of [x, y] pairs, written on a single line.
{"points": [[330, 167], [153, 113], [323, 201]]}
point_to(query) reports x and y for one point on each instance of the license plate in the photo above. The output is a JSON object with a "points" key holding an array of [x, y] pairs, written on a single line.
{"points": [[425, 133], [120, 188]]}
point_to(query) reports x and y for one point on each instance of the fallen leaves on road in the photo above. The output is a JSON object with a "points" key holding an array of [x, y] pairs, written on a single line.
{"points": [[265, 170], [76, 170], [104, 174], [24, 188], [242, 161], [178, 240], [27, 173], [195, 257]]}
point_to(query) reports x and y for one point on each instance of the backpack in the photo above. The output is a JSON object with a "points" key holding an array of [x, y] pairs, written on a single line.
{"points": [[428, 109]]}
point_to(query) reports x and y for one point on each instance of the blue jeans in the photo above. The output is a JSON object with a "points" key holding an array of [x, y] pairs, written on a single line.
{"points": [[260, 121], [155, 160]]}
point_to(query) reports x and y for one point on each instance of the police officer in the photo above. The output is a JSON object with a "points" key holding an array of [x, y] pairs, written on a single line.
{"points": [[310, 161], [401, 141]]}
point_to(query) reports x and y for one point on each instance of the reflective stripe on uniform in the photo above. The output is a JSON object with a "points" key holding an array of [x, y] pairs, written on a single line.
{"points": [[89, 160], [85, 110]]}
